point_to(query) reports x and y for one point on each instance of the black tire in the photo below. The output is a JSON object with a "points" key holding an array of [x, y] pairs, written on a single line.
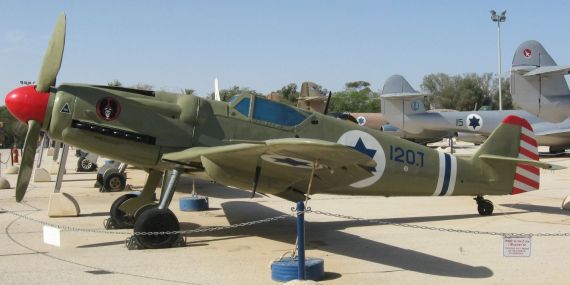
{"points": [[120, 218], [156, 220], [114, 182], [485, 208], [85, 165], [143, 209]]}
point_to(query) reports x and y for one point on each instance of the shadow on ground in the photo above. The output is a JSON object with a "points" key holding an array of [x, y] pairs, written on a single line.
{"points": [[538, 208], [332, 239]]}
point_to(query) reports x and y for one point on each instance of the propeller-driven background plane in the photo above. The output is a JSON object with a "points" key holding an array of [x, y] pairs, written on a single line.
{"points": [[253, 143]]}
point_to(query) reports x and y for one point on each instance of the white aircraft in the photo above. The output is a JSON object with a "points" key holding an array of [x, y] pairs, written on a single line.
{"points": [[404, 108], [538, 84]]}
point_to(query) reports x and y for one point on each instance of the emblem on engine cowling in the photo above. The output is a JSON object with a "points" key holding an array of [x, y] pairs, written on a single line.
{"points": [[108, 109]]}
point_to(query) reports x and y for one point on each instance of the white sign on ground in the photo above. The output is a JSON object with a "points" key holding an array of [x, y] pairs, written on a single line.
{"points": [[516, 246], [52, 236]]}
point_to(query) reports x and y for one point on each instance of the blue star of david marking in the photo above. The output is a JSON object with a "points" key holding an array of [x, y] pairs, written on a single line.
{"points": [[360, 120], [474, 122], [291, 161], [368, 151]]}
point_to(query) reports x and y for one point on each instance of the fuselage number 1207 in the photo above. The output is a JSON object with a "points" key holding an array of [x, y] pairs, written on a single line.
{"points": [[409, 156]]}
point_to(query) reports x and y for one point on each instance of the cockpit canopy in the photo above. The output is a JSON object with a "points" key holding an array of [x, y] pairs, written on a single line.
{"points": [[266, 110]]}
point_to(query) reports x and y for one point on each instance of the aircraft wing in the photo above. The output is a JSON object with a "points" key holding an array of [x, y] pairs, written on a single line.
{"points": [[285, 164]]}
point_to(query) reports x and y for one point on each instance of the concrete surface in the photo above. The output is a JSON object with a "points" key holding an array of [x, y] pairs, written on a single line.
{"points": [[355, 252]]}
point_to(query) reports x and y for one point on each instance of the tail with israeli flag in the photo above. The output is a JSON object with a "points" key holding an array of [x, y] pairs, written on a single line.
{"points": [[510, 157]]}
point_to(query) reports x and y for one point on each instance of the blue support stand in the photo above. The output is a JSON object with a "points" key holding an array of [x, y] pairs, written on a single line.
{"points": [[301, 239], [288, 268]]}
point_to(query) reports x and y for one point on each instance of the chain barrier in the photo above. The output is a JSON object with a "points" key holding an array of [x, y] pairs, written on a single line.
{"points": [[441, 229], [7, 159], [115, 232], [284, 216]]}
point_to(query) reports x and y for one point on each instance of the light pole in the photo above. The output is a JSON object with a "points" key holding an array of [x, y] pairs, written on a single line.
{"points": [[499, 19]]}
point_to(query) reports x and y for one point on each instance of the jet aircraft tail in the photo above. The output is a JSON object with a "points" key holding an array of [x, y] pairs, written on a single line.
{"points": [[511, 154], [399, 99], [538, 84]]}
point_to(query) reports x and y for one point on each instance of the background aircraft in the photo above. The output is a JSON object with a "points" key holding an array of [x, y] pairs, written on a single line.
{"points": [[253, 143], [404, 108], [538, 84]]}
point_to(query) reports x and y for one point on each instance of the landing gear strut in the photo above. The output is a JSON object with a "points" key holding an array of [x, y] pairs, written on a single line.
{"points": [[159, 219], [484, 206]]}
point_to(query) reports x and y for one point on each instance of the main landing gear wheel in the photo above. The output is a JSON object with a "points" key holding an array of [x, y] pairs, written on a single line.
{"points": [[484, 206], [85, 165], [156, 220], [119, 218], [114, 182], [144, 209]]}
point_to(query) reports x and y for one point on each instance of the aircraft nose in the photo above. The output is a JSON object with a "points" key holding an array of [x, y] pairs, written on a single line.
{"points": [[25, 103]]}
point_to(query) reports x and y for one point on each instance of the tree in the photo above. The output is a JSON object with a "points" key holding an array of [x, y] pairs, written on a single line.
{"points": [[289, 92], [115, 83], [465, 92], [358, 85], [13, 130], [357, 97], [227, 94], [187, 91]]}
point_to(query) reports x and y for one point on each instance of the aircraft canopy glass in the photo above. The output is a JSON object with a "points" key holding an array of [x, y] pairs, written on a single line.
{"points": [[243, 106], [276, 113]]}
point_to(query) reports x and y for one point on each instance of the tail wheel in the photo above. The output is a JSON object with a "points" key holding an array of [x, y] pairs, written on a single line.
{"points": [[485, 207], [120, 218], [156, 220]]}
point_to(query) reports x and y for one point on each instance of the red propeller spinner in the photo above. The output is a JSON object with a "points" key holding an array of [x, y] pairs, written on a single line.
{"points": [[25, 103]]}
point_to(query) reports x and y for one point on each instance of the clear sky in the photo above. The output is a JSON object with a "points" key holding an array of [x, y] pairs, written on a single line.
{"points": [[265, 45]]}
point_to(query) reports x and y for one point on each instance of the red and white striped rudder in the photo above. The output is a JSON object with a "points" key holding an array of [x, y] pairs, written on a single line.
{"points": [[527, 177]]}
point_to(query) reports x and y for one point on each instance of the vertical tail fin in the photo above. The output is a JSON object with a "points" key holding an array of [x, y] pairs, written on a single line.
{"points": [[399, 99], [311, 99], [538, 84], [512, 152], [527, 177]]}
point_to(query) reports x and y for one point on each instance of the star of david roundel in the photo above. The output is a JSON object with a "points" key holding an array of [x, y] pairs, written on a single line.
{"points": [[108, 109], [474, 122], [368, 145]]}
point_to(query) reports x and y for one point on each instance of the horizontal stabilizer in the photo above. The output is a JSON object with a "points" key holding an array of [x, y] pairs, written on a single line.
{"points": [[536, 163], [550, 70]]}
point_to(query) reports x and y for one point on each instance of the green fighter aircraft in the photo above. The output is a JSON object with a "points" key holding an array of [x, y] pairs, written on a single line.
{"points": [[253, 143]]}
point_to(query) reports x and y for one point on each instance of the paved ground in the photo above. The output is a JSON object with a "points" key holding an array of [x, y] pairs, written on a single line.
{"points": [[355, 252]]}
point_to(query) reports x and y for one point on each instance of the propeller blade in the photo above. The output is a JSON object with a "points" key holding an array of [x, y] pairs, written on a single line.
{"points": [[28, 155], [52, 57]]}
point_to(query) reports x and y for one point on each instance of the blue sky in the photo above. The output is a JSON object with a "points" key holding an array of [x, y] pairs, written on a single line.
{"points": [[265, 45]]}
